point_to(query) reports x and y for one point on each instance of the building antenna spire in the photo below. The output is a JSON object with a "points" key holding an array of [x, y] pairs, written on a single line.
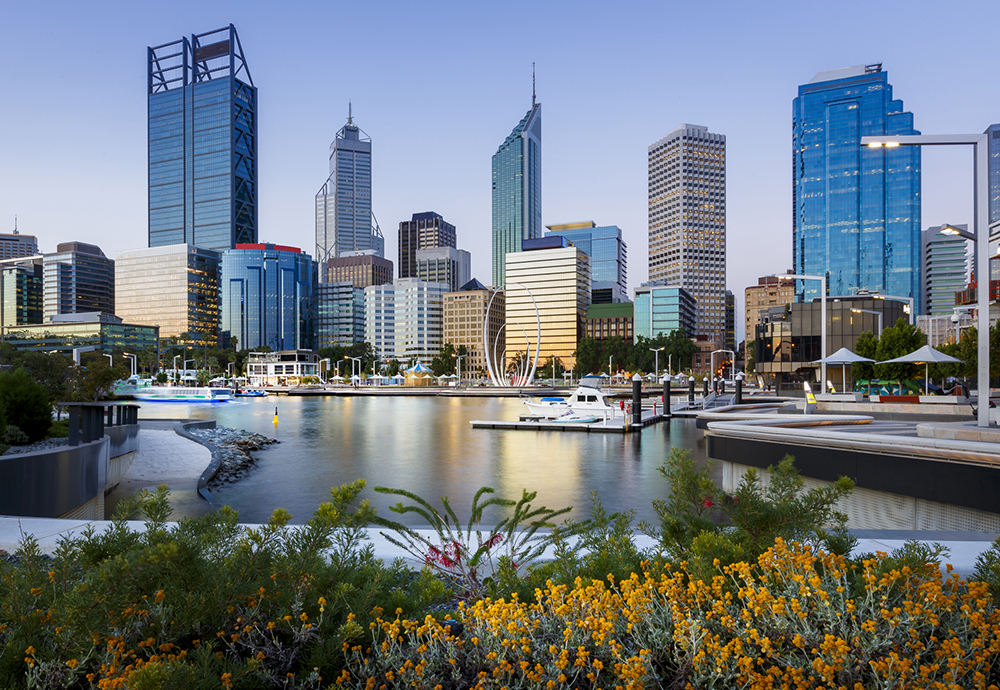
{"points": [[532, 84], [350, 115], [15, 223]]}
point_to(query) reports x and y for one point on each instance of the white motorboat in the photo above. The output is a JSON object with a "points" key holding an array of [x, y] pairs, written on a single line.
{"points": [[585, 400]]}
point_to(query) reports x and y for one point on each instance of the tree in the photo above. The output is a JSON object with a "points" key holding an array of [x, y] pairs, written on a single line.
{"points": [[680, 346], [748, 358], [866, 345], [588, 357], [545, 369], [444, 363], [899, 340], [94, 381], [26, 403]]}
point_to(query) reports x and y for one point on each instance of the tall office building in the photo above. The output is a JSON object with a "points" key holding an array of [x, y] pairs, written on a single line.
{"points": [[730, 343], [361, 268], [447, 265], [338, 314], [77, 278], [202, 142], [266, 297], [687, 221], [464, 314], [423, 231], [15, 245], [558, 278], [174, 287], [608, 258], [661, 309], [856, 211], [344, 219], [770, 292], [944, 269], [517, 189], [403, 320], [21, 292]]}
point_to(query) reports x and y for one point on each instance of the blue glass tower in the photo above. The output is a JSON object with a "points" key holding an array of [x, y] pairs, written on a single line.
{"points": [[993, 131], [517, 189], [266, 297], [856, 211], [202, 142], [608, 258]]}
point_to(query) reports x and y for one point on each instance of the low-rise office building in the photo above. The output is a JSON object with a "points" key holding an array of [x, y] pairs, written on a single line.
{"points": [[103, 331], [285, 368], [464, 313], [609, 320]]}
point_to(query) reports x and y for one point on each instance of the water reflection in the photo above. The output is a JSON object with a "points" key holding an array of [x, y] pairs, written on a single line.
{"points": [[426, 445]]}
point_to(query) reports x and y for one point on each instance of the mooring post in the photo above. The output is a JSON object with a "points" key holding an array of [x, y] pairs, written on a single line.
{"points": [[738, 400], [691, 389], [637, 400], [666, 398]]}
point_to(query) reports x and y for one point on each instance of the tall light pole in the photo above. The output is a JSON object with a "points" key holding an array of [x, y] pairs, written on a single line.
{"points": [[458, 358], [822, 333], [656, 362], [610, 373], [871, 311], [134, 361], [353, 360], [909, 305], [327, 360], [111, 360], [981, 227]]}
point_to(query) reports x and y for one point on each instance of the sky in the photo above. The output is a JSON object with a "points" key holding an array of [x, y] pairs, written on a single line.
{"points": [[438, 86]]}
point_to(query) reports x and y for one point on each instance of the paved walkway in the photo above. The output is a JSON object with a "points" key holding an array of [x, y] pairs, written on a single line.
{"points": [[165, 458]]}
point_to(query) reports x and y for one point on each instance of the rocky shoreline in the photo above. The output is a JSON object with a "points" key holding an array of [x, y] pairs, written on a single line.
{"points": [[235, 447]]}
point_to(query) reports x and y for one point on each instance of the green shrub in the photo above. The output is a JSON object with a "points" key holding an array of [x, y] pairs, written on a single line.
{"points": [[12, 436], [26, 404], [59, 429]]}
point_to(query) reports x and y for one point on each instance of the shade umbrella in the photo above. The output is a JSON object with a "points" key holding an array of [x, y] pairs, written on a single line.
{"points": [[843, 357], [925, 355]]}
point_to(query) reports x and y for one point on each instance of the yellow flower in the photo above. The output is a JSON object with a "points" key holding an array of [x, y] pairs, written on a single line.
{"points": [[72, 663]]}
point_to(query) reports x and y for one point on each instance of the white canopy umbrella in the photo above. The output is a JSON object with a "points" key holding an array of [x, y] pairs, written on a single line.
{"points": [[843, 357], [925, 355]]}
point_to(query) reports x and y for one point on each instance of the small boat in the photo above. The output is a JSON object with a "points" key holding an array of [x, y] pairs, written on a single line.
{"points": [[251, 394], [182, 394], [574, 418], [585, 400]]}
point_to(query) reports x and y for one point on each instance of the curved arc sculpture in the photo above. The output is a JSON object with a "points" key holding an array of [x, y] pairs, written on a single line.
{"points": [[498, 380]]}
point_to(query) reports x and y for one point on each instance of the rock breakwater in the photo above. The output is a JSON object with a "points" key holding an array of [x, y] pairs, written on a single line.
{"points": [[235, 447]]}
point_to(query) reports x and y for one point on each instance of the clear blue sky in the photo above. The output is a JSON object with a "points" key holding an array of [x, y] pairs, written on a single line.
{"points": [[438, 86]]}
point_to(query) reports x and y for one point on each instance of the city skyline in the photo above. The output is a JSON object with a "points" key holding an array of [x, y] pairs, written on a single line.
{"points": [[601, 113]]}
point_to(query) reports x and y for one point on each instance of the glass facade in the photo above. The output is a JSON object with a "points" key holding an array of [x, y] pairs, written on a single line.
{"points": [[517, 190], [607, 251], [423, 231], [339, 314], [447, 265], [361, 268], [266, 297], [202, 143], [559, 281], [687, 221], [175, 287], [344, 220], [404, 320], [663, 309], [108, 334], [944, 270], [856, 210], [77, 278], [16, 245], [21, 294]]}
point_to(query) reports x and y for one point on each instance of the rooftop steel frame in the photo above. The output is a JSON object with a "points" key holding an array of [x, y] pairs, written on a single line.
{"points": [[196, 59]]}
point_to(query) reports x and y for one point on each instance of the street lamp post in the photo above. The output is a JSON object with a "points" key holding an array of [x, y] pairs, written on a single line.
{"points": [[111, 360], [908, 308], [134, 361], [981, 196], [459, 357], [358, 360], [871, 311], [610, 373], [732, 363], [822, 334], [327, 360], [656, 362]]}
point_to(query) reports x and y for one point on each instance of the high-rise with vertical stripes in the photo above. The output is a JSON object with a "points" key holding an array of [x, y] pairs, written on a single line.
{"points": [[202, 142], [687, 221], [517, 189]]}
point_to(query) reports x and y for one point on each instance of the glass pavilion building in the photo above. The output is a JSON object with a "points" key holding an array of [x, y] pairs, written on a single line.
{"points": [[856, 211], [517, 189], [266, 297], [202, 142]]}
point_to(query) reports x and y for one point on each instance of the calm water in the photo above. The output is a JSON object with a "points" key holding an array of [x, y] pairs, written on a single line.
{"points": [[426, 445]]}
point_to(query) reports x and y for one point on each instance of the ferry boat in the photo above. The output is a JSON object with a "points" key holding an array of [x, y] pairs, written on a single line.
{"points": [[585, 400], [143, 389]]}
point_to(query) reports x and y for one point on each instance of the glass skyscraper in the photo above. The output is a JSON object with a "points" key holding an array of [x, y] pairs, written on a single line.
{"points": [[856, 211], [608, 258], [344, 219], [202, 143], [77, 278], [266, 297], [994, 135], [517, 189]]}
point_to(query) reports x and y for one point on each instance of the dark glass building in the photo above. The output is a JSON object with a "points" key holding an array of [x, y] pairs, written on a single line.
{"points": [[856, 211], [517, 189], [266, 297], [423, 231], [339, 314], [77, 278], [360, 268], [21, 292], [202, 142], [993, 131]]}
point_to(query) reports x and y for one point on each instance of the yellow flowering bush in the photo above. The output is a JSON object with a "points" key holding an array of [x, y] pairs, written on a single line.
{"points": [[796, 618]]}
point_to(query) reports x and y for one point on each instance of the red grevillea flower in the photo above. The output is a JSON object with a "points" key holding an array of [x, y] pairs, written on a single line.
{"points": [[708, 502]]}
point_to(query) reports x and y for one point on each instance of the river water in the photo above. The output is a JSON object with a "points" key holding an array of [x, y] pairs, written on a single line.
{"points": [[426, 445]]}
